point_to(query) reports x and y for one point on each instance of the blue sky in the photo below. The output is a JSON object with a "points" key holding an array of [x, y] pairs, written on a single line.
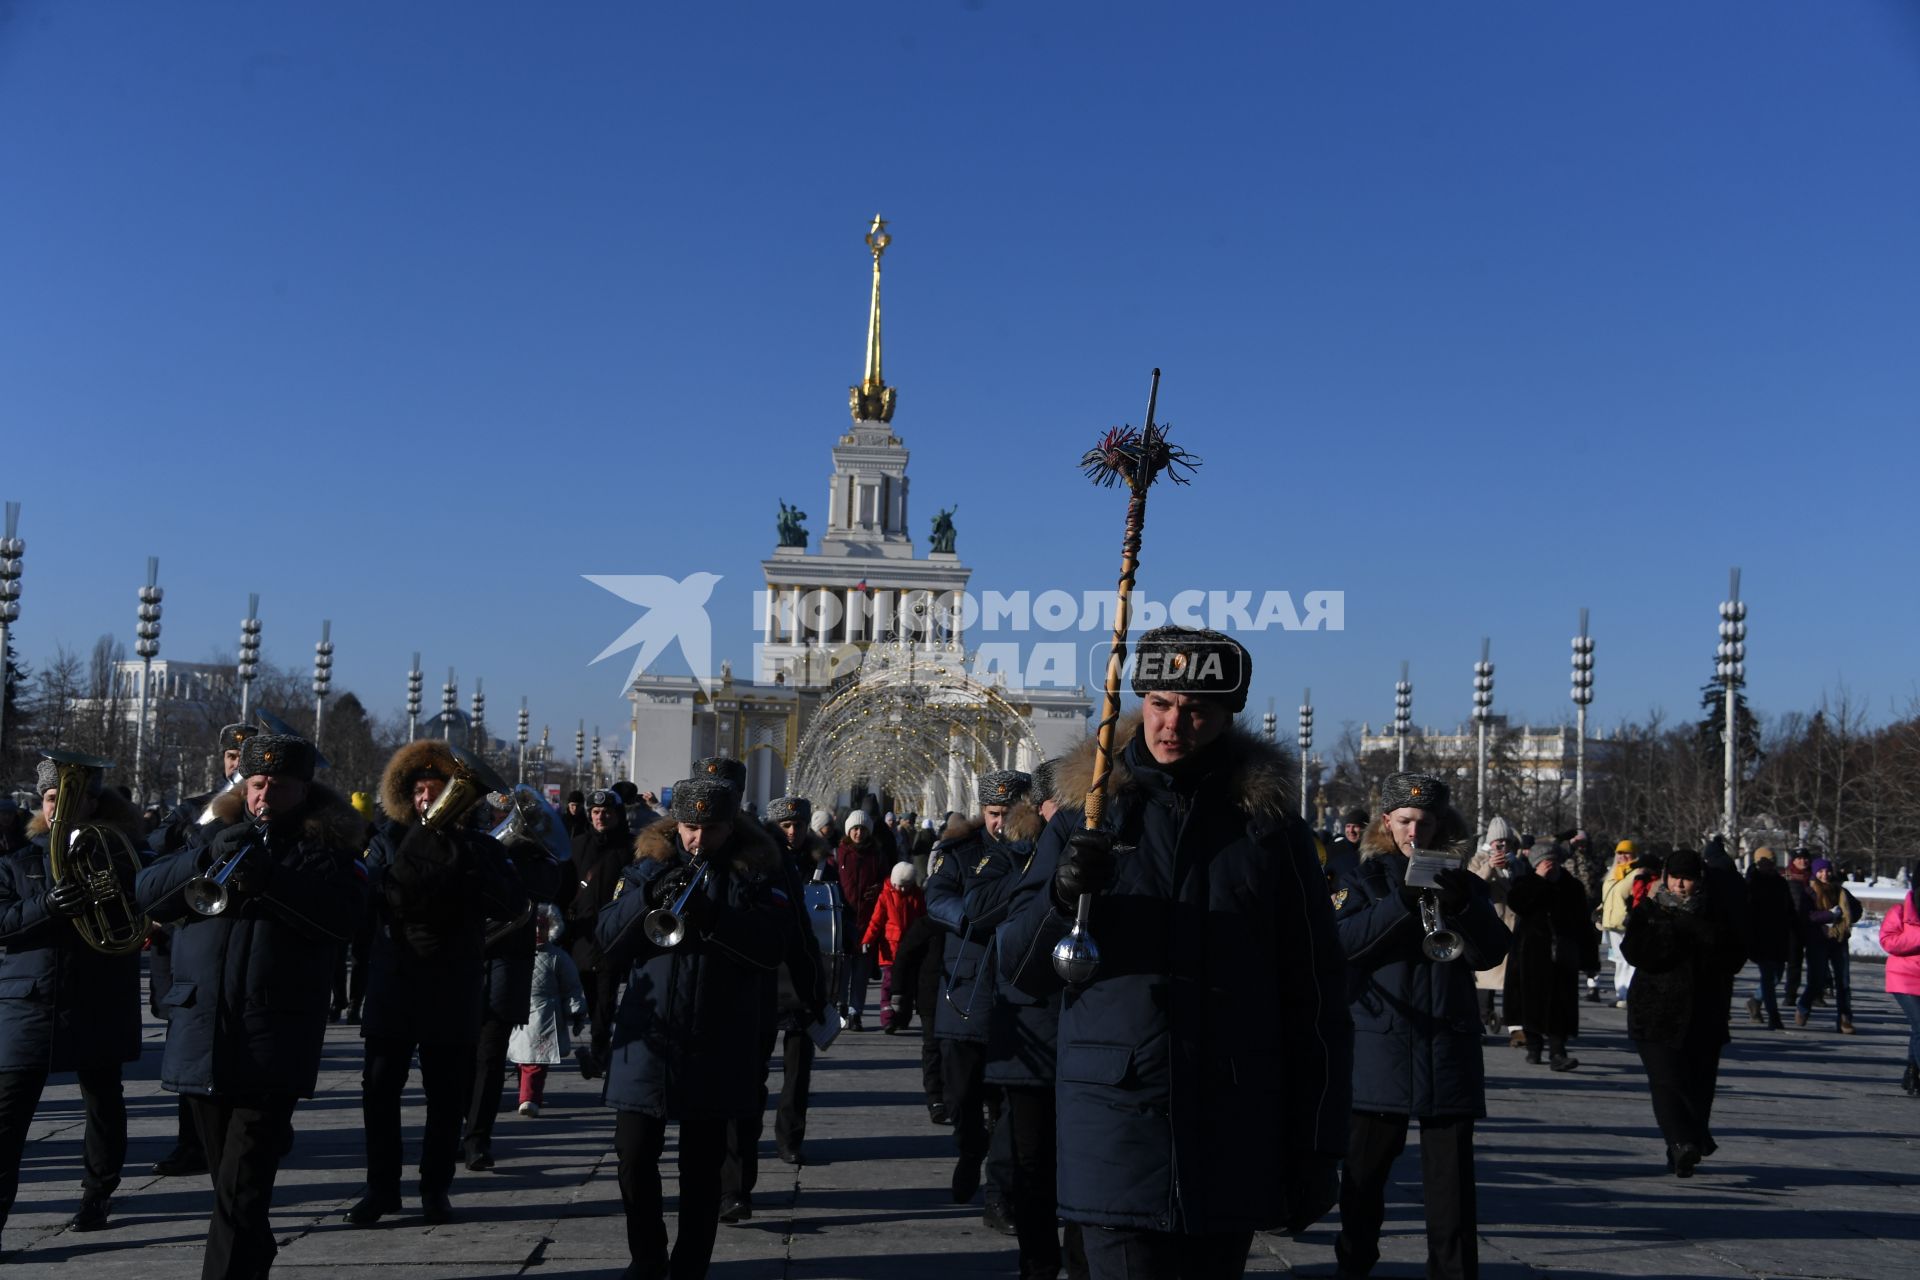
{"points": [[408, 316]]}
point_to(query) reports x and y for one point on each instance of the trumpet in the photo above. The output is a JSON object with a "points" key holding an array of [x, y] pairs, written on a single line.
{"points": [[1440, 944], [666, 927], [207, 894], [103, 861]]}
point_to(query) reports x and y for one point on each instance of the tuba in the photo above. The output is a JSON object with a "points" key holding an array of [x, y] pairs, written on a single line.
{"points": [[530, 821], [100, 857]]}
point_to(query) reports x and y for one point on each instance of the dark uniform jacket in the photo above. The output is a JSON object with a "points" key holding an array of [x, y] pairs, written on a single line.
{"points": [[508, 957], [248, 1003], [1684, 962], [1022, 1028], [799, 982], [1211, 1055], [63, 1005], [967, 979], [600, 858], [1416, 1022], [433, 893], [689, 1037]]}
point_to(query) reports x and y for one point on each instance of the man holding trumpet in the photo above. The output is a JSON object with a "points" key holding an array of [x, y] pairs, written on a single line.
{"points": [[1414, 950], [262, 906], [699, 919]]}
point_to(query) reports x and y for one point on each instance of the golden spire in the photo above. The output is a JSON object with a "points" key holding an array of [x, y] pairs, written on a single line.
{"points": [[872, 400]]}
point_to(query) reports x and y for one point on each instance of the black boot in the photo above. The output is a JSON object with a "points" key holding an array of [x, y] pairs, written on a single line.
{"points": [[435, 1207], [180, 1161], [1557, 1057], [372, 1207], [92, 1214], [1910, 1082]]}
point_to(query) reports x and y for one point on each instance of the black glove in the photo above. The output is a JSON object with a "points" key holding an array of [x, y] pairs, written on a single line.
{"points": [[1454, 888], [229, 841], [698, 913], [1086, 866], [424, 857], [67, 898], [1312, 1188], [250, 873], [578, 1026]]}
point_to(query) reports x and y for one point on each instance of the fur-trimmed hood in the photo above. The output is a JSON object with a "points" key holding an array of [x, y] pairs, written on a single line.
{"points": [[396, 793], [1260, 774], [751, 851], [111, 809], [1451, 832], [325, 818]]}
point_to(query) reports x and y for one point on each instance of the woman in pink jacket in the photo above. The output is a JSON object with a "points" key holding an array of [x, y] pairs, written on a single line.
{"points": [[1900, 939]]}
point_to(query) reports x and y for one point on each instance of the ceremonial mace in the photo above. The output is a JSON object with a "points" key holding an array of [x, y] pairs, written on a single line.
{"points": [[1137, 458]]}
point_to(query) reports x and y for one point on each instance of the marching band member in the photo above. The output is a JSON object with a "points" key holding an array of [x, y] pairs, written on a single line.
{"points": [[433, 891], [63, 1005], [688, 1037], [247, 1011]]}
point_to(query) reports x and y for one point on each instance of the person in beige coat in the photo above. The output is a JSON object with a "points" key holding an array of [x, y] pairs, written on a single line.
{"points": [[1494, 864]]}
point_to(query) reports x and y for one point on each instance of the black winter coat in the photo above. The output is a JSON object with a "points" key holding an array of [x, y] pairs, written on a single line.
{"points": [[600, 858], [1023, 1030], [1684, 963], [1210, 1058], [1416, 1023], [1553, 941], [968, 980], [247, 1009], [689, 1037], [1771, 921], [508, 960], [916, 970], [432, 896], [63, 1005]]}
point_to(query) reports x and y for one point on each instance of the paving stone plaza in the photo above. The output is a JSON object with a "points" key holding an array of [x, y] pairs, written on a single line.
{"points": [[1817, 1175]]}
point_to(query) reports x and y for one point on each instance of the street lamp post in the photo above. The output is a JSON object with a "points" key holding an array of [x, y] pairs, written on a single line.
{"points": [[1306, 744], [580, 757], [477, 731], [415, 683], [249, 665], [148, 647], [1731, 667], [521, 735], [546, 753], [1482, 714], [12, 548], [322, 677], [1403, 713], [593, 761], [449, 704], [1582, 695]]}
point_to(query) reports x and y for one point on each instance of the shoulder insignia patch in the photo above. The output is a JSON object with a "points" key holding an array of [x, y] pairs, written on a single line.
{"points": [[934, 870], [1340, 898], [981, 865]]}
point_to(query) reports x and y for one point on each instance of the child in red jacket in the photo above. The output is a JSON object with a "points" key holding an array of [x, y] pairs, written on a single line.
{"points": [[900, 904]]}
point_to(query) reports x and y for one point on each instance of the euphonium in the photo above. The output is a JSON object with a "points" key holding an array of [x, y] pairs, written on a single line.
{"points": [[103, 861]]}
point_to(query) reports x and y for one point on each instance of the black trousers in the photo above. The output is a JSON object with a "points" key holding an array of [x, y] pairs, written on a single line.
{"points": [[974, 1107], [104, 1148], [602, 990], [446, 1076], [1681, 1075], [1029, 1122], [1374, 1142], [638, 1141], [933, 1076], [1796, 955], [1115, 1254], [244, 1142], [489, 1073], [740, 1171]]}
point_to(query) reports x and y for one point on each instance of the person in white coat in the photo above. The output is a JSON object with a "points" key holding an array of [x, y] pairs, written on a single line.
{"points": [[542, 1040]]}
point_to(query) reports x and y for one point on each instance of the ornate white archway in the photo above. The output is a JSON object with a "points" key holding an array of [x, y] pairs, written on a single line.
{"points": [[910, 722]]}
